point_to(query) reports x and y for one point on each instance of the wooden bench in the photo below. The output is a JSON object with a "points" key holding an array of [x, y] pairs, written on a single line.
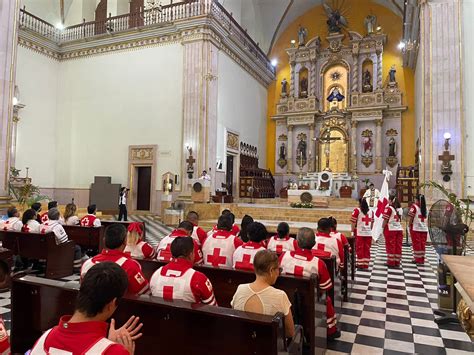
{"points": [[168, 327], [90, 239], [309, 309], [59, 258]]}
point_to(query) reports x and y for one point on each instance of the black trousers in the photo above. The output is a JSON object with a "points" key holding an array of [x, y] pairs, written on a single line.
{"points": [[122, 212]]}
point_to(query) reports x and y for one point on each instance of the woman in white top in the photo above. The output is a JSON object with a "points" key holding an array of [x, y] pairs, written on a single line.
{"points": [[70, 217], [30, 224], [260, 296]]}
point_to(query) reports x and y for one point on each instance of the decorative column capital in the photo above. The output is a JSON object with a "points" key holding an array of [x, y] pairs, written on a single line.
{"points": [[290, 128], [378, 122], [311, 126], [354, 124]]}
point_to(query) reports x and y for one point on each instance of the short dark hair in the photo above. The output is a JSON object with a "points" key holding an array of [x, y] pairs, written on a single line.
{"points": [[12, 211], [53, 214], [371, 184], [182, 246], [257, 232], [115, 236], [306, 238], [324, 224], [333, 222], [226, 211], [186, 225], [283, 229], [101, 284], [232, 217], [246, 221], [192, 216], [28, 215], [36, 206], [52, 204], [264, 260], [91, 209], [224, 222]]}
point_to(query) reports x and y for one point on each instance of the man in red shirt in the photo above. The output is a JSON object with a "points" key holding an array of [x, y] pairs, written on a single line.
{"points": [[178, 281], [115, 243], [90, 219], [85, 332], [199, 235], [243, 255], [163, 251], [325, 242]]}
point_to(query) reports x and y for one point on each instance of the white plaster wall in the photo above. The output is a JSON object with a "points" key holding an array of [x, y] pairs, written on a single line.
{"points": [[47, 10], [467, 14], [241, 108], [37, 80], [418, 90]]}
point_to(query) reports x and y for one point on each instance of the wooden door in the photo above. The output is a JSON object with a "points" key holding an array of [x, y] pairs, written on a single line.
{"points": [[143, 188], [100, 17], [229, 175], [136, 13]]}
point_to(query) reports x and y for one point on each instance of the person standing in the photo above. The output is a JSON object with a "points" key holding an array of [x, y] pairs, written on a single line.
{"points": [[418, 229], [123, 204], [362, 220], [393, 233], [372, 196]]}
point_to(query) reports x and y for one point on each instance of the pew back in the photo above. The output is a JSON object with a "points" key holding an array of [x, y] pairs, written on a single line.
{"points": [[88, 238]]}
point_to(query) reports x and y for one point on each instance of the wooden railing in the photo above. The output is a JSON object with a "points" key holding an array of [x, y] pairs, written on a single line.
{"points": [[166, 14]]}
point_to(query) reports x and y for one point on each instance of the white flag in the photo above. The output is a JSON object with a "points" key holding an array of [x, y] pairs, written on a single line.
{"points": [[381, 204]]}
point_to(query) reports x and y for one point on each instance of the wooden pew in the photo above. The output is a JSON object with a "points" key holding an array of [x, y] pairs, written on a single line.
{"points": [[168, 327], [308, 308], [351, 240], [59, 258], [88, 238]]}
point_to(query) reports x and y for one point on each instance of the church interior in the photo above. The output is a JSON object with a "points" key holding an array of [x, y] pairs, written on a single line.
{"points": [[338, 129]]}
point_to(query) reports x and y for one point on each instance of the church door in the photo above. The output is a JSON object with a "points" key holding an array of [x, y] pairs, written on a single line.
{"points": [[136, 17], [100, 17], [229, 175], [143, 188]]}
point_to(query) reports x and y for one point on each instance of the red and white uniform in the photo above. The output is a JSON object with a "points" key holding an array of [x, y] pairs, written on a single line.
{"points": [[32, 226], [199, 235], [12, 224], [140, 250], [243, 255], [90, 220], [280, 245], [86, 338], [235, 230], [137, 284], [302, 262], [163, 251], [44, 217], [340, 236], [56, 228], [72, 221], [393, 233], [363, 233], [333, 245], [418, 232], [177, 280], [218, 249]]}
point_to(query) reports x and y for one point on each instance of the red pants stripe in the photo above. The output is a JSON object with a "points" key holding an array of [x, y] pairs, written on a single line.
{"points": [[330, 316], [418, 240], [363, 245], [393, 246]]}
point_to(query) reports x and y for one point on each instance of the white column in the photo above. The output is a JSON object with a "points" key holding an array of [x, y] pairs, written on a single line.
{"points": [[200, 107], [354, 146], [311, 167], [378, 146], [289, 154], [8, 45], [15, 120], [443, 91]]}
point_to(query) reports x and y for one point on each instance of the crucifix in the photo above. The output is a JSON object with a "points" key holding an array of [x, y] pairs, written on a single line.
{"points": [[326, 139], [446, 159], [190, 161]]}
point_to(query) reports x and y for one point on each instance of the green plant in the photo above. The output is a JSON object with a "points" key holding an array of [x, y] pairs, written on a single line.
{"points": [[14, 172], [366, 182], [461, 206], [302, 205]]}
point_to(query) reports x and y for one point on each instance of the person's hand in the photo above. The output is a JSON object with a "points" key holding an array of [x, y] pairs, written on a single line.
{"points": [[127, 342], [131, 328]]}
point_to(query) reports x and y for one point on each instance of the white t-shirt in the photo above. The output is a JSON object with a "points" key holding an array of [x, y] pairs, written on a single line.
{"points": [[72, 221], [273, 299]]}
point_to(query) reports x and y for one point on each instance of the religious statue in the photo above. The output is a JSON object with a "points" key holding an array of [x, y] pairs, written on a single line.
{"points": [[302, 34], [335, 20], [335, 95], [367, 81], [392, 73], [304, 87], [284, 88], [392, 147], [282, 154], [370, 23], [301, 150], [367, 147]]}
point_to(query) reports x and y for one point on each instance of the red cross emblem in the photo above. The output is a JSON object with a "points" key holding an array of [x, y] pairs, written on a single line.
{"points": [[245, 264], [168, 293], [298, 271], [279, 249], [422, 219], [216, 259], [367, 220], [396, 218]]}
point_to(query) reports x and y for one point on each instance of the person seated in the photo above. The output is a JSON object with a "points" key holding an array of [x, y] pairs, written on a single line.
{"points": [[246, 221], [44, 216], [87, 330], [136, 247], [260, 296], [30, 224], [243, 255], [115, 241], [302, 262], [334, 233], [37, 207], [235, 228], [90, 219], [282, 241], [53, 225], [163, 251], [219, 247], [13, 223], [199, 235], [70, 216], [325, 242], [177, 280]]}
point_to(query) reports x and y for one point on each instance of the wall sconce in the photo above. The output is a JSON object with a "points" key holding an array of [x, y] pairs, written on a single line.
{"points": [[446, 158], [190, 161]]}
